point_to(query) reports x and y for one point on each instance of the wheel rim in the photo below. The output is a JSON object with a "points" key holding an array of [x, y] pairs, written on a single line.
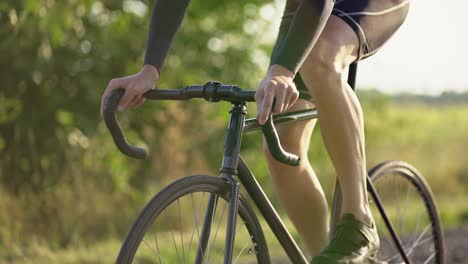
{"points": [[410, 214], [174, 235]]}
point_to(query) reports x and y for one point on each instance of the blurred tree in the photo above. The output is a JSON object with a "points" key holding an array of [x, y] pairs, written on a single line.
{"points": [[57, 57]]}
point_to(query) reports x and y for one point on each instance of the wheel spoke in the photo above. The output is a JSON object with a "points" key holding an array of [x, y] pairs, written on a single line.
{"points": [[401, 222], [411, 250], [243, 249], [211, 224], [146, 242], [198, 231], [414, 234], [195, 227], [397, 255], [181, 236], [430, 257], [157, 246], [237, 231], [219, 224], [159, 237], [175, 245], [415, 243]]}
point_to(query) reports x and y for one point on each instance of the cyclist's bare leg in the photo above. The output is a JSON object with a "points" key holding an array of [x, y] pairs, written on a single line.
{"points": [[298, 187], [343, 134], [340, 114]]}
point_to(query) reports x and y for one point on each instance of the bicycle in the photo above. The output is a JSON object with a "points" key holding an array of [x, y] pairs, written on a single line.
{"points": [[421, 241]]}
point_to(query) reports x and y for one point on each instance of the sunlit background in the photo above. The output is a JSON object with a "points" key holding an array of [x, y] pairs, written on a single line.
{"points": [[68, 196], [427, 55]]}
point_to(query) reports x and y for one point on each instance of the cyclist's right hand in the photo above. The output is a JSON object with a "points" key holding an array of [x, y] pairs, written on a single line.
{"points": [[135, 86]]}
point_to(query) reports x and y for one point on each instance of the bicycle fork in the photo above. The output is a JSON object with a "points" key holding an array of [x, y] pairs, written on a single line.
{"points": [[206, 229], [231, 156]]}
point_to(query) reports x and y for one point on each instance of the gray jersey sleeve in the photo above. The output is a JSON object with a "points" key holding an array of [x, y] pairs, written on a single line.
{"points": [[165, 21], [300, 28]]}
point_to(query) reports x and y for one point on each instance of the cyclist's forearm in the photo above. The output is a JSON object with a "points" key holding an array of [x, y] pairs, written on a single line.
{"points": [[165, 21], [300, 28]]}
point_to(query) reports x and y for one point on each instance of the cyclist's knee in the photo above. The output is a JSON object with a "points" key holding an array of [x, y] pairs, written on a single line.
{"points": [[336, 48], [323, 61]]}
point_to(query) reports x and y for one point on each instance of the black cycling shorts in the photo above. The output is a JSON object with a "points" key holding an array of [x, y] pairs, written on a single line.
{"points": [[374, 22]]}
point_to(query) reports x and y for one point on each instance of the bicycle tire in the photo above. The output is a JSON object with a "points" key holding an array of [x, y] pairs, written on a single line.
{"points": [[409, 174], [184, 187]]}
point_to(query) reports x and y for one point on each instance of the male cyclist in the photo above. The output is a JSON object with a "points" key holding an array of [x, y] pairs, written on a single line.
{"points": [[317, 41]]}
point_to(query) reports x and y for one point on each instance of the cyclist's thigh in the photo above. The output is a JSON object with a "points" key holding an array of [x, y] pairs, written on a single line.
{"points": [[373, 21], [336, 48], [295, 136]]}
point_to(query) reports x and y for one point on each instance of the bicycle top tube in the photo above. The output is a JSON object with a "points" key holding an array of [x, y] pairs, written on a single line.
{"points": [[212, 92], [252, 124]]}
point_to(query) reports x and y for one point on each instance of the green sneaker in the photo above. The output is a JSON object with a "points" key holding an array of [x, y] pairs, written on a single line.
{"points": [[353, 242]]}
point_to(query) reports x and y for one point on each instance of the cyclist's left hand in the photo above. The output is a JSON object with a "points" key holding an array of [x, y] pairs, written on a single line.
{"points": [[277, 85]]}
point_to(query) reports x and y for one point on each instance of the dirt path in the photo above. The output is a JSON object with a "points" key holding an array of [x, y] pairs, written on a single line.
{"points": [[457, 245]]}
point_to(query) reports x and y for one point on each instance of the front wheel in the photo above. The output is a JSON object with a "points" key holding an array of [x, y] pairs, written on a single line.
{"points": [[411, 209], [172, 227]]}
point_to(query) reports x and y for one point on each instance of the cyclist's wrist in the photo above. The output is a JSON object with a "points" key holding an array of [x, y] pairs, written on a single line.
{"points": [[278, 70], [150, 72]]}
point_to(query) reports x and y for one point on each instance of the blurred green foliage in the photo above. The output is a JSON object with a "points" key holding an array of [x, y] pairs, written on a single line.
{"points": [[62, 181]]}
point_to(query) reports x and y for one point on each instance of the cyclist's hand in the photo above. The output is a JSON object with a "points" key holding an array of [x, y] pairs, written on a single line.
{"points": [[135, 86], [277, 85]]}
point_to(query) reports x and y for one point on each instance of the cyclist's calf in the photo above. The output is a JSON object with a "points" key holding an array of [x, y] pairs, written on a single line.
{"points": [[298, 187]]}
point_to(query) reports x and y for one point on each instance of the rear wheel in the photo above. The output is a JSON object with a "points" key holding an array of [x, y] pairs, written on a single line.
{"points": [[411, 209], [170, 228]]}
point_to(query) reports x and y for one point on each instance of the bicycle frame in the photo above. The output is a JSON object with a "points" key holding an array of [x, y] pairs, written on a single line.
{"points": [[261, 200], [233, 165]]}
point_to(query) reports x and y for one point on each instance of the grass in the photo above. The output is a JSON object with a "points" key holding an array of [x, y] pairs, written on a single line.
{"points": [[453, 212], [99, 252], [80, 223]]}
